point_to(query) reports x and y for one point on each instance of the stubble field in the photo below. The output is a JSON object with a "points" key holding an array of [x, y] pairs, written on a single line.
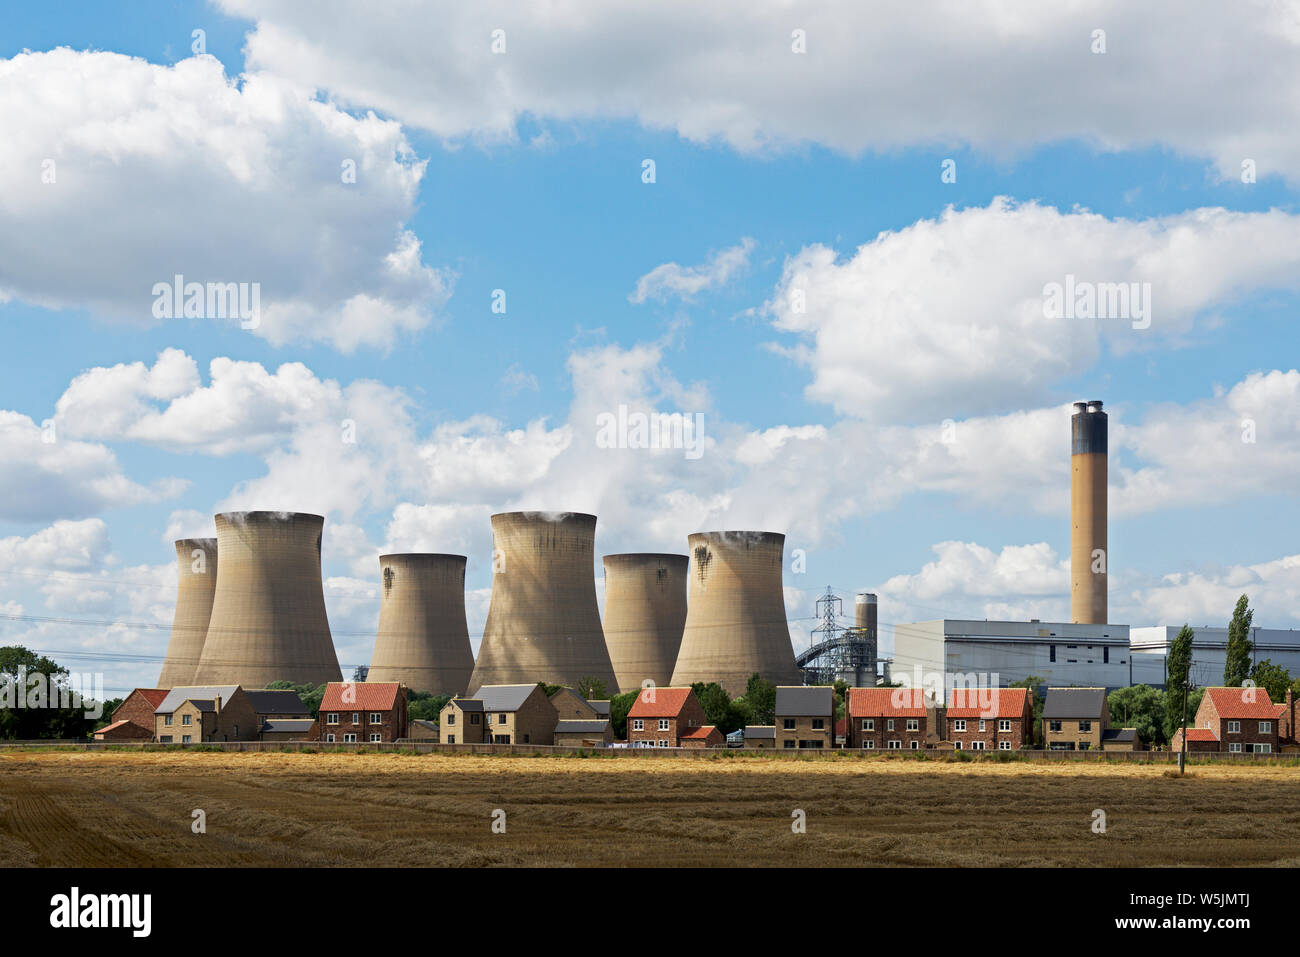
{"points": [[112, 809]]}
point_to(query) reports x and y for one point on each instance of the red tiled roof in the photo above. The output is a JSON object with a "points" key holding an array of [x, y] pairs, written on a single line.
{"points": [[1236, 703], [1201, 734], [875, 702], [110, 727], [987, 702], [363, 696], [154, 696], [701, 732], [668, 703]]}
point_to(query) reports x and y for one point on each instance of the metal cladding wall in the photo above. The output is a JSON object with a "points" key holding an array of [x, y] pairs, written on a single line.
{"points": [[196, 583], [735, 621], [543, 622], [268, 615], [645, 612], [423, 640], [1088, 428]]}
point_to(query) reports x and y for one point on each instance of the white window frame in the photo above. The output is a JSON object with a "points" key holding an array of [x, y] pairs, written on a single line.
{"points": [[889, 724], [895, 744], [349, 739], [376, 717], [959, 724], [1234, 747], [916, 745], [1266, 727], [983, 726], [1234, 727], [187, 739], [1004, 724], [1004, 745], [187, 720], [663, 724], [956, 745], [356, 717], [329, 738], [333, 717], [913, 724], [868, 745], [977, 746], [663, 743], [1263, 747], [638, 724], [376, 737], [868, 724]]}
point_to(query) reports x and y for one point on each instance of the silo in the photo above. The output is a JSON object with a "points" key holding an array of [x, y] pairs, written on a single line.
{"points": [[645, 612], [1089, 554], [735, 620], [196, 582], [543, 622], [423, 639], [268, 614]]}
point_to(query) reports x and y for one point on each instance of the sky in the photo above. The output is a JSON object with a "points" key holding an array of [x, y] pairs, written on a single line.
{"points": [[826, 232]]}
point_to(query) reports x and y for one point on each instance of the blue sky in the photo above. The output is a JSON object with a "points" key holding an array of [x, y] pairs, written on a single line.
{"points": [[556, 214]]}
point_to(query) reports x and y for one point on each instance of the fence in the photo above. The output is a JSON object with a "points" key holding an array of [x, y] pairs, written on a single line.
{"points": [[544, 750]]}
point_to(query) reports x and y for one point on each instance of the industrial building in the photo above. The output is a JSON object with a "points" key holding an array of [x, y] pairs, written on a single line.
{"points": [[645, 614], [423, 638], [1151, 644], [196, 583], [543, 621], [735, 618], [1000, 652], [268, 619]]}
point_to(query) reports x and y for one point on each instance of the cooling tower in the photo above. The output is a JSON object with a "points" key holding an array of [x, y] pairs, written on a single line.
{"points": [[268, 615], [196, 582], [423, 639], [1089, 556], [735, 622], [543, 623], [645, 611]]}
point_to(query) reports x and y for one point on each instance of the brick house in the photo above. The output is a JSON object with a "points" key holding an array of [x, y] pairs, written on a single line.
{"points": [[574, 733], [805, 717], [132, 720], [882, 719], [989, 719], [571, 706], [287, 729], [661, 716], [195, 714], [1198, 740], [1242, 720], [500, 714], [1075, 719], [705, 736], [361, 712]]}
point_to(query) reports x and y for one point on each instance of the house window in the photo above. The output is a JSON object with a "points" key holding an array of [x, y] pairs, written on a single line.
{"points": [[501, 718], [977, 745], [959, 724], [165, 739], [1004, 745], [451, 717], [356, 718], [916, 745], [787, 724], [1051, 652], [1263, 748], [819, 724], [235, 731], [664, 743], [376, 737], [167, 720], [895, 744], [186, 739], [788, 743], [1085, 726], [913, 724], [333, 718], [1054, 726], [1234, 727], [349, 739], [638, 724], [868, 745], [329, 738], [663, 724], [451, 739], [956, 745], [185, 719], [982, 728], [889, 725], [868, 724], [1266, 727], [376, 718], [1004, 724], [474, 719]]}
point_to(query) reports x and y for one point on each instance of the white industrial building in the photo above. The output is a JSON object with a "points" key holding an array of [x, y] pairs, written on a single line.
{"points": [[1000, 652], [1209, 652]]}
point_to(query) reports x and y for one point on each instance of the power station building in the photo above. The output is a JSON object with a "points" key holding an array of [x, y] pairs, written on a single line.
{"points": [[543, 621], [1151, 644], [645, 614], [268, 619], [735, 618], [423, 638], [1000, 652], [196, 583]]}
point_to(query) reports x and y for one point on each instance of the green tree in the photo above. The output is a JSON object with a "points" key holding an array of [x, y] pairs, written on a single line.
{"points": [[1032, 682], [719, 709], [43, 681], [760, 696], [1141, 707], [549, 689], [619, 706], [593, 689], [424, 705], [1237, 667], [1178, 664], [1274, 679]]}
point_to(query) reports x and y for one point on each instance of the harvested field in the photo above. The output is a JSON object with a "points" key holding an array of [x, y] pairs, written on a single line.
{"points": [[134, 809]]}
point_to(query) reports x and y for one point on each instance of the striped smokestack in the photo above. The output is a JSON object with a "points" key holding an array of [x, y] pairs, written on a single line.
{"points": [[1089, 555]]}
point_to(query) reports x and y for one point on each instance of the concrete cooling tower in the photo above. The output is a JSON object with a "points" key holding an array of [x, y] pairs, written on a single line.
{"points": [[543, 623], [735, 621], [1089, 553], [423, 639], [196, 583], [645, 612], [268, 614]]}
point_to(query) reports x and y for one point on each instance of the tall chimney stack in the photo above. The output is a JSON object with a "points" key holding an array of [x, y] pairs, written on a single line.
{"points": [[1089, 554]]}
